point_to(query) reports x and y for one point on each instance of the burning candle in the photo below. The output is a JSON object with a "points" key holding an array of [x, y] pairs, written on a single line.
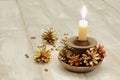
{"points": [[83, 25]]}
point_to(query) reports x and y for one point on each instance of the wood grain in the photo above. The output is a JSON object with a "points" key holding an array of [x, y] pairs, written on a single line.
{"points": [[22, 19]]}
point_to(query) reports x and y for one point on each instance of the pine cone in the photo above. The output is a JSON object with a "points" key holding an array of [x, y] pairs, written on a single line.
{"points": [[42, 55], [75, 60], [49, 36], [64, 54], [91, 58], [86, 59], [100, 50]]}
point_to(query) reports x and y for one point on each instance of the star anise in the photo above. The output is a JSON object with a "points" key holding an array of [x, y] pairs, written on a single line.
{"points": [[42, 55], [75, 60], [49, 36]]}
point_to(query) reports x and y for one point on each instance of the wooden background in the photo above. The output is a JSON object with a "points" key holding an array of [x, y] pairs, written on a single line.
{"points": [[21, 19]]}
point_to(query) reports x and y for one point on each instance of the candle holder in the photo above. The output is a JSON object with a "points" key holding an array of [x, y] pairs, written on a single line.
{"points": [[78, 44], [78, 61]]}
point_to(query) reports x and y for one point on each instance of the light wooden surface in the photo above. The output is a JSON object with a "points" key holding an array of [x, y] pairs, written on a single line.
{"points": [[21, 19]]}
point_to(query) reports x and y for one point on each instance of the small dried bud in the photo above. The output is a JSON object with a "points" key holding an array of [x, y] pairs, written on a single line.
{"points": [[33, 37], [26, 56], [46, 70]]}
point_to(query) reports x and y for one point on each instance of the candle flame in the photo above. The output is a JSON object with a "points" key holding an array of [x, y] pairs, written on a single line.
{"points": [[84, 12]]}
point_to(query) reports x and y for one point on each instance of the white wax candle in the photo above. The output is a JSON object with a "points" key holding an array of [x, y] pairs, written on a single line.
{"points": [[83, 25], [83, 30]]}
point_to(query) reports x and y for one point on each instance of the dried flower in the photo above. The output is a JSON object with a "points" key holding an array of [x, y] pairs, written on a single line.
{"points": [[49, 36], [64, 54], [63, 41], [91, 58], [42, 55], [75, 60]]}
